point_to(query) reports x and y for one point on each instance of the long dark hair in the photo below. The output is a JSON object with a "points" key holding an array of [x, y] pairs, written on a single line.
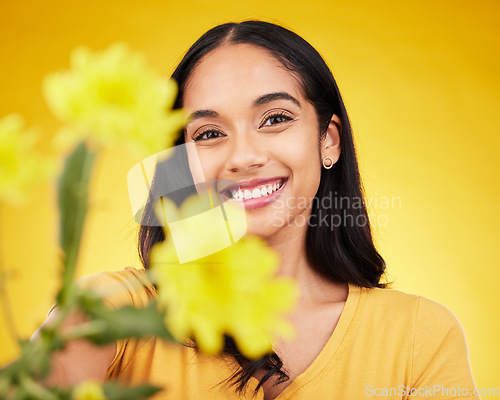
{"points": [[342, 251]]}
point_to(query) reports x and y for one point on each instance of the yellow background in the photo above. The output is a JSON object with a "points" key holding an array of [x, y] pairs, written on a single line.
{"points": [[420, 82]]}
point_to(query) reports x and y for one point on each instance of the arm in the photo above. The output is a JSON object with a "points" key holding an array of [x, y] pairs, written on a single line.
{"points": [[80, 360]]}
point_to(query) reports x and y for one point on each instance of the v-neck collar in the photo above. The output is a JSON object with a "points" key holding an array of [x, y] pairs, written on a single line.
{"points": [[330, 353]]}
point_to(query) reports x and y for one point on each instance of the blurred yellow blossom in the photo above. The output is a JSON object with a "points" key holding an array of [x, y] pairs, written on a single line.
{"points": [[112, 98], [88, 390], [202, 225], [21, 164], [232, 291]]}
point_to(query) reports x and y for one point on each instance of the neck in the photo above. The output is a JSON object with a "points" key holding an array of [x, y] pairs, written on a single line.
{"points": [[290, 243]]}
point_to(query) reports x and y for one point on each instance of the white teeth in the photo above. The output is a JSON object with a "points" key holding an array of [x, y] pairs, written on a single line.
{"points": [[261, 191]]}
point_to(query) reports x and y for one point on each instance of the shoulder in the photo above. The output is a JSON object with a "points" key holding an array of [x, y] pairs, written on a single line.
{"points": [[391, 296], [433, 315], [438, 341], [427, 321], [129, 286], [425, 312], [435, 337], [390, 305]]}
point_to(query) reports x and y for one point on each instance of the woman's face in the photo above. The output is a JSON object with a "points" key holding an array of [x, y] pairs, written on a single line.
{"points": [[251, 124]]}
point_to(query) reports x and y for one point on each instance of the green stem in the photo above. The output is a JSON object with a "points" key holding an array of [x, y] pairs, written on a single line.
{"points": [[5, 386], [7, 310], [86, 330], [80, 199], [36, 390]]}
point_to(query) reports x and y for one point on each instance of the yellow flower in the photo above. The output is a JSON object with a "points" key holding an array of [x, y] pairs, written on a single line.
{"points": [[112, 98], [232, 291], [88, 390], [21, 165], [202, 225]]}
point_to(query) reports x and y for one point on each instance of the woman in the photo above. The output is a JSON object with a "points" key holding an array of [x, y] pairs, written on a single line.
{"points": [[267, 114]]}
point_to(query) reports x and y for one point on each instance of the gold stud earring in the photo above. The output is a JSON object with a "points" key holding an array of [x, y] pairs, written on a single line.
{"points": [[327, 163]]}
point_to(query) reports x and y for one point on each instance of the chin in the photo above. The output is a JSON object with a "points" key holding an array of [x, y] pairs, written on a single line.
{"points": [[264, 226]]}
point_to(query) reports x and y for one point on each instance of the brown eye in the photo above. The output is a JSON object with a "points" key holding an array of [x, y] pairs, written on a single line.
{"points": [[276, 119], [207, 135]]}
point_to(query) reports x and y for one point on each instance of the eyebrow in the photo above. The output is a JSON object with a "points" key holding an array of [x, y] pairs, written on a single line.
{"points": [[267, 98]]}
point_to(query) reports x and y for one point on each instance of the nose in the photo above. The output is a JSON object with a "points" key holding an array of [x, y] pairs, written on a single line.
{"points": [[245, 152]]}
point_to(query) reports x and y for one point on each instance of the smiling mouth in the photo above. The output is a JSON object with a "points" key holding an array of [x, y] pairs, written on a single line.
{"points": [[254, 192]]}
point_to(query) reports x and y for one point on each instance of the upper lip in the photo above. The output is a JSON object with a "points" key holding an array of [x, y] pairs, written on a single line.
{"points": [[253, 183]]}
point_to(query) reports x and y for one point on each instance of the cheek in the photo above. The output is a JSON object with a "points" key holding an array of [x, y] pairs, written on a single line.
{"points": [[301, 154], [304, 162], [302, 145], [211, 163]]}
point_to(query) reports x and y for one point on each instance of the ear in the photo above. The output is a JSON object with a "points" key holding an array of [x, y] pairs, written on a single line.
{"points": [[330, 144]]}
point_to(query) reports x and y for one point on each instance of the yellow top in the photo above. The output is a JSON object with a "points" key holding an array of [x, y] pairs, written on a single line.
{"points": [[387, 345]]}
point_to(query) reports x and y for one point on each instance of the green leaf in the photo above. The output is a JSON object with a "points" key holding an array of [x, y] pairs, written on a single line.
{"points": [[29, 389], [114, 391], [72, 201], [108, 325]]}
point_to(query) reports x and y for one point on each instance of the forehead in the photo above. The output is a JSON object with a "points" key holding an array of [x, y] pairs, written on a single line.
{"points": [[237, 73]]}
